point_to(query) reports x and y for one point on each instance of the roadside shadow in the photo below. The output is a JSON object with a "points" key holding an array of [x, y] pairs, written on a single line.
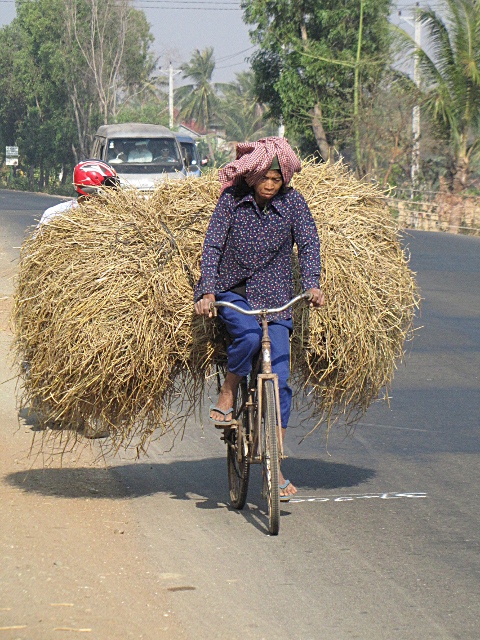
{"points": [[201, 480], [30, 419]]}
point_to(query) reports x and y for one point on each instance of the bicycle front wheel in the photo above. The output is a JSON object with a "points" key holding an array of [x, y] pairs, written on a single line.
{"points": [[238, 465], [270, 460]]}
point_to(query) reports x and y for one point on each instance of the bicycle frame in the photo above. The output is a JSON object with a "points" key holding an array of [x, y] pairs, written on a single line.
{"points": [[257, 381]]}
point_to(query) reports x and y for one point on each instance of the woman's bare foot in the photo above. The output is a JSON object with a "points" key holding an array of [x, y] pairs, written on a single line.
{"points": [[226, 398]]}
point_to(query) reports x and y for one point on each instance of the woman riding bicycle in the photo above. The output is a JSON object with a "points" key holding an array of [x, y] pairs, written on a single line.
{"points": [[247, 260]]}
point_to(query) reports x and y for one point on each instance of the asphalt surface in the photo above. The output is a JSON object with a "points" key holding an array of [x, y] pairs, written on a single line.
{"points": [[26, 208], [383, 539]]}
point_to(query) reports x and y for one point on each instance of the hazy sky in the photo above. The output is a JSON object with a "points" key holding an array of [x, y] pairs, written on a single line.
{"points": [[192, 24], [181, 26]]}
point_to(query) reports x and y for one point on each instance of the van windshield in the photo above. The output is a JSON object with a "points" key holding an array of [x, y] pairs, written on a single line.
{"points": [[144, 155]]}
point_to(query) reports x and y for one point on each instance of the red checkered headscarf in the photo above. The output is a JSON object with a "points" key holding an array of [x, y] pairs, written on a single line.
{"points": [[254, 160]]}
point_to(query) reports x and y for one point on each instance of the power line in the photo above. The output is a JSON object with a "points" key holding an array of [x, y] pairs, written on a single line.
{"points": [[217, 6], [234, 55], [229, 65], [222, 2], [151, 6], [196, 2]]}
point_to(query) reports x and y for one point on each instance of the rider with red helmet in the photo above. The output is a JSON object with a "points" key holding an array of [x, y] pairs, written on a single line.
{"points": [[90, 178]]}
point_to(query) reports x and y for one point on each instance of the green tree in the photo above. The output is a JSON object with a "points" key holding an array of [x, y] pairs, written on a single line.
{"points": [[106, 44], [65, 67], [385, 130], [314, 61], [239, 111], [147, 102], [198, 101], [451, 81], [13, 100], [151, 110], [42, 130]]}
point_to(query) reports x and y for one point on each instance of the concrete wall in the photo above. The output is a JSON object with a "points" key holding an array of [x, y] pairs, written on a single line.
{"points": [[448, 212]]}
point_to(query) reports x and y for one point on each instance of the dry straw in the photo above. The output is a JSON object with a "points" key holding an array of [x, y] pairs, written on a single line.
{"points": [[105, 330]]}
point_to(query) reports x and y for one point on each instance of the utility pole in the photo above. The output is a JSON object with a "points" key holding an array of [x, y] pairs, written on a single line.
{"points": [[170, 95], [415, 167], [416, 109], [171, 73], [356, 90]]}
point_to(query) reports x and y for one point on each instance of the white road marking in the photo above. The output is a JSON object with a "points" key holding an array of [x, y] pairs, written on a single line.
{"points": [[348, 498]]}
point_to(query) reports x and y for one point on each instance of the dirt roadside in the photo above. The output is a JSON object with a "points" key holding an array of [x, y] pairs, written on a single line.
{"points": [[69, 565]]}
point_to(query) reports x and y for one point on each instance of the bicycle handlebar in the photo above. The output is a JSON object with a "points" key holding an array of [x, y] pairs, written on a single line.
{"points": [[257, 312]]}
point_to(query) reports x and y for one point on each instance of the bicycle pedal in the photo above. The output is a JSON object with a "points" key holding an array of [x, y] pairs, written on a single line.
{"points": [[233, 425], [227, 432]]}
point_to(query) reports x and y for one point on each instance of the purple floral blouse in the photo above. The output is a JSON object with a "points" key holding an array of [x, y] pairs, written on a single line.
{"points": [[244, 243]]}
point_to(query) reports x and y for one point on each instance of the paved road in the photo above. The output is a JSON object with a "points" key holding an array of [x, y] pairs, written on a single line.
{"points": [[25, 208], [384, 539]]}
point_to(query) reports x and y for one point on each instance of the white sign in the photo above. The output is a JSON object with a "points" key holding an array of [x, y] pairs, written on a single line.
{"points": [[11, 156]]}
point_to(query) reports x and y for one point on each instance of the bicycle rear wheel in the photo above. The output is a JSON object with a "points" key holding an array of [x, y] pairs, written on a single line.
{"points": [[270, 461], [238, 466]]}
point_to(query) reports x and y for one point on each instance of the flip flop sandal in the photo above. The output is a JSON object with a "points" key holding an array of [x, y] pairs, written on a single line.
{"points": [[220, 424], [283, 487]]}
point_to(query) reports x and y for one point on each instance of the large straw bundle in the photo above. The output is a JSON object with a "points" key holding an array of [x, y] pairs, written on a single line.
{"points": [[104, 317]]}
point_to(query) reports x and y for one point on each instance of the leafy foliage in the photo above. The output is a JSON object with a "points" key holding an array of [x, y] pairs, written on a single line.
{"points": [[198, 101], [305, 65], [451, 79], [65, 66], [240, 113], [153, 110]]}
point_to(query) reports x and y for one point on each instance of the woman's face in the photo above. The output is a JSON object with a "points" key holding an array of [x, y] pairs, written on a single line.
{"points": [[268, 187]]}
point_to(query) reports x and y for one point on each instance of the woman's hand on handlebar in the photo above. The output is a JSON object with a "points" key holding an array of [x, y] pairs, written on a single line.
{"points": [[202, 307], [317, 298]]}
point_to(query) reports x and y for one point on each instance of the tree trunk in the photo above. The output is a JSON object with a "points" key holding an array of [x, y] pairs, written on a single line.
{"points": [[319, 133], [75, 154], [101, 47], [317, 124], [82, 121], [460, 175], [210, 149]]}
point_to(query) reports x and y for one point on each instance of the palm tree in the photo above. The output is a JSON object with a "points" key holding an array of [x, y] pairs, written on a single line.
{"points": [[239, 111], [451, 77], [198, 101]]}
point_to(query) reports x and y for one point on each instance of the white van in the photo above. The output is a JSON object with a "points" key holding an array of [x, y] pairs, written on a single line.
{"points": [[142, 154]]}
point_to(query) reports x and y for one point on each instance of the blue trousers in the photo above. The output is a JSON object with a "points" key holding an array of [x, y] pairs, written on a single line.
{"points": [[246, 335]]}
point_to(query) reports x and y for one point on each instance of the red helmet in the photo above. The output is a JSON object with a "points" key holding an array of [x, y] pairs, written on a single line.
{"points": [[90, 176]]}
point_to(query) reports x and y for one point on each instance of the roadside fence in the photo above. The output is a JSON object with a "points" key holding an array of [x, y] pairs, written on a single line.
{"points": [[438, 211]]}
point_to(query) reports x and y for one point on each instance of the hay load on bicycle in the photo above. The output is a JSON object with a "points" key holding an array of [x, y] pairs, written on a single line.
{"points": [[104, 319]]}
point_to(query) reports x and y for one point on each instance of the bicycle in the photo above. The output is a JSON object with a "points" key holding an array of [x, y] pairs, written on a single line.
{"points": [[255, 436]]}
